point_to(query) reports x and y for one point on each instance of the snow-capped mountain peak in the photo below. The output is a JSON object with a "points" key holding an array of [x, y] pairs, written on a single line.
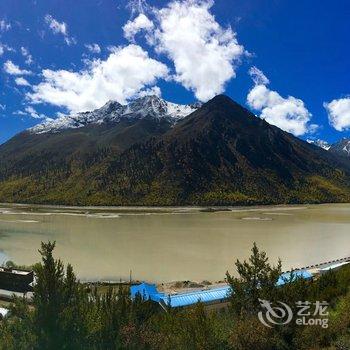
{"points": [[320, 143], [346, 148], [148, 106], [342, 147], [109, 107]]}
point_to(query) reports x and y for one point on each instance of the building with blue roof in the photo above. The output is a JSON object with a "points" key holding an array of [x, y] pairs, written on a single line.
{"points": [[149, 292], [334, 266], [208, 296], [292, 276]]}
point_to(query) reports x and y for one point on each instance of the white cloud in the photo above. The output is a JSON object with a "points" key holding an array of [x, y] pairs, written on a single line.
{"points": [[4, 47], [137, 6], [289, 114], [94, 48], [339, 113], [26, 54], [258, 76], [313, 128], [31, 112], [205, 57], [13, 69], [125, 73], [56, 27], [141, 22], [21, 81], [154, 90], [4, 26], [19, 113], [59, 28], [204, 54]]}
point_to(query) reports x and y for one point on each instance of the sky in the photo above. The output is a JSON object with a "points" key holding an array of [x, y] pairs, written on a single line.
{"points": [[287, 61]]}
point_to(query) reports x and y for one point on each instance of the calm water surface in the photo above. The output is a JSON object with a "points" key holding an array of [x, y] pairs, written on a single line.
{"points": [[176, 243]]}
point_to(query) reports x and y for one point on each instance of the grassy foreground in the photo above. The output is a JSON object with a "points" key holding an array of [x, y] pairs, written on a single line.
{"points": [[65, 315]]}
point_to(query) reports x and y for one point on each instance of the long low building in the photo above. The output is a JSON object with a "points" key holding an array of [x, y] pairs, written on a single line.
{"points": [[16, 280], [334, 266], [208, 296], [3, 312]]}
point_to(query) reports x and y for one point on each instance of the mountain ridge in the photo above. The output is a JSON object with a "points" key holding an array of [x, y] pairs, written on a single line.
{"points": [[185, 161], [113, 111], [221, 154], [342, 147]]}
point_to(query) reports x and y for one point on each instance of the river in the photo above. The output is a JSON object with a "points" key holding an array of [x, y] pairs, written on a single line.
{"points": [[170, 244]]}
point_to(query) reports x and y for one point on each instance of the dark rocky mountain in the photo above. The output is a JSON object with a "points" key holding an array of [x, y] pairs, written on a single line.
{"points": [[220, 154], [342, 147], [110, 129]]}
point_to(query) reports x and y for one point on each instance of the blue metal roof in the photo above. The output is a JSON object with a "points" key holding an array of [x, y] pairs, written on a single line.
{"points": [[285, 277], [147, 291], [150, 292], [189, 298]]}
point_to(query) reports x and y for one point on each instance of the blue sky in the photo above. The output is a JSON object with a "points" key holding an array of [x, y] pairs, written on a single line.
{"points": [[184, 50]]}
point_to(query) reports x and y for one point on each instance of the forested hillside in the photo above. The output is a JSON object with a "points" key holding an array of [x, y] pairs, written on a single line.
{"points": [[220, 154]]}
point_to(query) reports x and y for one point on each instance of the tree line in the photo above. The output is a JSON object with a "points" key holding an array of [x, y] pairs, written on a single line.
{"points": [[65, 314]]}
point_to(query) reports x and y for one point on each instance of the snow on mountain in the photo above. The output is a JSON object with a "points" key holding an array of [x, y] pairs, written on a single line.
{"points": [[112, 111], [320, 143], [342, 147], [346, 148]]}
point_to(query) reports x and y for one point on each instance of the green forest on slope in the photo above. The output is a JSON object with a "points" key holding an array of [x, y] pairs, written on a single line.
{"points": [[219, 155]]}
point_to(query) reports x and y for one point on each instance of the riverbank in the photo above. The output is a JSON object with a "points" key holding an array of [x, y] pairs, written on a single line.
{"points": [[179, 287], [176, 287]]}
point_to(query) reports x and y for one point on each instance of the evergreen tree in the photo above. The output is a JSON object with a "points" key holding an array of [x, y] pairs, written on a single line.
{"points": [[257, 280]]}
